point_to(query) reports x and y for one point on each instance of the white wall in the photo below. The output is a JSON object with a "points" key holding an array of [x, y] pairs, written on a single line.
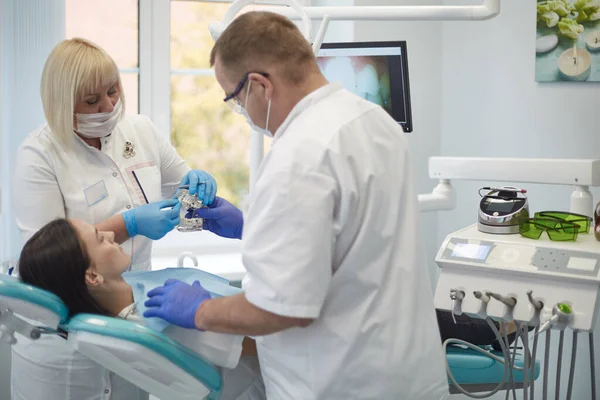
{"points": [[425, 71], [492, 106], [30, 29], [4, 26], [5, 349], [35, 28]]}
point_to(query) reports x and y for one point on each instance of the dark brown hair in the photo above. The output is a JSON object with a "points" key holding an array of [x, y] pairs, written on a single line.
{"points": [[54, 259]]}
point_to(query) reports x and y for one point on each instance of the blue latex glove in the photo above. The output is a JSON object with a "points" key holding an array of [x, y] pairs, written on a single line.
{"points": [[202, 183], [176, 302], [221, 218], [152, 220]]}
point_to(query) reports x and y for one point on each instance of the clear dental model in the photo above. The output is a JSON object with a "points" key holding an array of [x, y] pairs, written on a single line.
{"points": [[189, 203]]}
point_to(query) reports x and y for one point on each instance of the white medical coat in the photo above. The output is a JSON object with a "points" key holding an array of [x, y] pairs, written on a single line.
{"points": [[93, 185], [332, 233]]}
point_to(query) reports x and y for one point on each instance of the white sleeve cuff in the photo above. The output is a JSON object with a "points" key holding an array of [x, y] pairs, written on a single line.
{"points": [[279, 308]]}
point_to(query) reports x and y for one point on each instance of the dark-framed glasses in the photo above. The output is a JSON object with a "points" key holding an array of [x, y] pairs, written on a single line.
{"points": [[232, 100]]}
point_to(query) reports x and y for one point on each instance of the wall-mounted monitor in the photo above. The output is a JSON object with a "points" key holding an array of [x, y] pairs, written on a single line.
{"points": [[376, 71]]}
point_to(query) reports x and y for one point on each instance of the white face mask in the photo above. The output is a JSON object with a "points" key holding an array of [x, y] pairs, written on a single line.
{"points": [[265, 131], [98, 125]]}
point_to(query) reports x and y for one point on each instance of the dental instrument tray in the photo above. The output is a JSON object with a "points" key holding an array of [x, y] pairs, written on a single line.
{"points": [[502, 209]]}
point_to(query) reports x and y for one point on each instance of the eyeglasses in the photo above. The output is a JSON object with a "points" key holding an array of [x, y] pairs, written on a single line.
{"points": [[558, 230], [583, 221], [232, 100]]}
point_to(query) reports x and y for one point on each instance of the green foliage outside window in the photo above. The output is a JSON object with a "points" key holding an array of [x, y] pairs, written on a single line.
{"points": [[204, 130]]}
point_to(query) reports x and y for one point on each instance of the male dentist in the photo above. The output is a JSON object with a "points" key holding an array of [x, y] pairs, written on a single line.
{"points": [[338, 295]]}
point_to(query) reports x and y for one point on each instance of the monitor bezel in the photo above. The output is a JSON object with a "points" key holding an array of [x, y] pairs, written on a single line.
{"points": [[407, 126]]}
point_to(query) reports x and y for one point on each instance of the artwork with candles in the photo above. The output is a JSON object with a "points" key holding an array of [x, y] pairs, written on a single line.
{"points": [[568, 41]]}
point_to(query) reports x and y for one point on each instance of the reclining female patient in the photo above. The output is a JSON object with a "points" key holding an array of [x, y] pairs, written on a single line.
{"points": [[87, 270]]}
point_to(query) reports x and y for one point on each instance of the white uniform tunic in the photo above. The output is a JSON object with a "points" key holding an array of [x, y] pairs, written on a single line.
{"points": [[135, 165], [93, 185], [332, 233]]}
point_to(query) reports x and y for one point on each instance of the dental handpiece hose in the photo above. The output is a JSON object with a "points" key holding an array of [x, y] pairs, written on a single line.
{"points": [[561, 341], [572, 370], [592, 365], [511, 381], [546, 359], [525, 338], [533, 356], [538, 306]]}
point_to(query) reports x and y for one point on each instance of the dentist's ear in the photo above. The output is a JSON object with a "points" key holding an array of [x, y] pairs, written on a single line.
{"points": [[266, 84], [93, 278], [269, 91]]}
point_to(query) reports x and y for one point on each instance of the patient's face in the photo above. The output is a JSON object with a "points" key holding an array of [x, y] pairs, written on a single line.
{"points": [[106, 256]]}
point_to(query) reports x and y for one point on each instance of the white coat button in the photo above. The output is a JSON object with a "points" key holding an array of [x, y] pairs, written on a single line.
{"points": [[115, 174], [128, 206], [107, 391]]}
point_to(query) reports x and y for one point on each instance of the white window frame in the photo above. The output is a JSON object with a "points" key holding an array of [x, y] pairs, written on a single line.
{"points": [[155, 102]]}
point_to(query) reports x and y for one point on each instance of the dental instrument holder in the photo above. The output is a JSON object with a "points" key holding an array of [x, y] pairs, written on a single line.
{"points": [[456, 295], [562, 314], [509, 303], [511, 265], [537, 305], [189, 203], [485, 299], [502, 209]]}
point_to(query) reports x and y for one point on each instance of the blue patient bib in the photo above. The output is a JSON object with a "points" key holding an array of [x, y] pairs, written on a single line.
{"points": [[142, 282]]}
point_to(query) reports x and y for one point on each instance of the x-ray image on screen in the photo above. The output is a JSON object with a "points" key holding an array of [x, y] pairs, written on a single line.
{"points": [[367, 77], [375, 71]]}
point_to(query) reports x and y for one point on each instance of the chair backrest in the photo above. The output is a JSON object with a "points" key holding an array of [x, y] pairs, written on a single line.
{"points": [[148, 359], [31, 302]]}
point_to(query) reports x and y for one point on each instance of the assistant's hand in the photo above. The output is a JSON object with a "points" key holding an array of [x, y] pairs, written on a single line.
{"points": [[202, 183], [222, 218], [176, 302], [153, 220]]}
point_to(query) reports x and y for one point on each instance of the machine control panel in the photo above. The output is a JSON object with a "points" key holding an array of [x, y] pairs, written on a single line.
{"points": [[470, 251], [568, 262], [513, 252], [505, 276]]}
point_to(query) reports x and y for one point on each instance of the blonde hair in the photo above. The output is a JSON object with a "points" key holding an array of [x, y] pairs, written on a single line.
{"points": [[258, 39], [75, 68]]}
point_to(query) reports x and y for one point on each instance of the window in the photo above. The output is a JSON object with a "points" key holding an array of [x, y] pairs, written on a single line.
{"points": [[204, 129], [162, 49], [206, 133], [114, 26]]}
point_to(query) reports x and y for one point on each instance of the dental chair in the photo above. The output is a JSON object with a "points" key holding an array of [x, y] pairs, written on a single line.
{"points": [[157, 364], [148, 359], [476, 372]]}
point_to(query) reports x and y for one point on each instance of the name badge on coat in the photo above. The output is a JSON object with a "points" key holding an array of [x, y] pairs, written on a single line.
{"points": [[95, 193]]}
